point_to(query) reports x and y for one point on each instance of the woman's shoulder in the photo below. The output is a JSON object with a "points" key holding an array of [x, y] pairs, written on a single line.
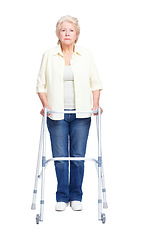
{"points": [[83, 50], [51, 50]]}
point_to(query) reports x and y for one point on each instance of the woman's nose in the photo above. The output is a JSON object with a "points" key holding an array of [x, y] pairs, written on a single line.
{"points": [[67, 33]]}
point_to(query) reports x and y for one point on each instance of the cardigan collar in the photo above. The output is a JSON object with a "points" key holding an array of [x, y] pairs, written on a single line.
{"points": [[58, 50]]}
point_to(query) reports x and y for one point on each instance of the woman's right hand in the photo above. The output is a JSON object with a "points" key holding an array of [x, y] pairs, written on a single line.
{"points": [[42, 111]]}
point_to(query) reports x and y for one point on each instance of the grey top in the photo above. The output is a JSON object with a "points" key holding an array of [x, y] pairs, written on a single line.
{"points": [[69, 92]]}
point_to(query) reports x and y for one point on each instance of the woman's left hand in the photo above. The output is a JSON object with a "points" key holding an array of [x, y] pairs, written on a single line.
{"points": [[96, 108]]}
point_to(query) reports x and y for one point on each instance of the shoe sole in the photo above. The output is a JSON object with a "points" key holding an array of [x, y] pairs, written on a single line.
{"points": [[78, 210], [61, 210]]}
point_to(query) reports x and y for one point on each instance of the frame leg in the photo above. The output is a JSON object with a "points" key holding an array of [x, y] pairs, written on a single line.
{"points": [[105, 205], [42, 195], [33, 206], [99, 190], [101, 216], [43, 167], [101, 185]]}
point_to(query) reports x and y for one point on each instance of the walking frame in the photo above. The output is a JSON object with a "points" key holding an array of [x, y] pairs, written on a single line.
{"points": [[102, 202]]}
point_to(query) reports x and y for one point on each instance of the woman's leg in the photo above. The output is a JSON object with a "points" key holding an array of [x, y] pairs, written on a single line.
{"points": [[79, 130], [59, 131]]}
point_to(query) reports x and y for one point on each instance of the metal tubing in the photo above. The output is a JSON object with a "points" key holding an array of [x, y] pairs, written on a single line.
{"points": [[68, 159], [99, 170], [33, 206], [99, 194], [98, 124], [104, 189], [43, 166], [72, 111]]}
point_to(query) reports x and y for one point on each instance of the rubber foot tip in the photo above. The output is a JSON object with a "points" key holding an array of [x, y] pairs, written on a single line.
{"points": [[105, 205], [33, 206]]}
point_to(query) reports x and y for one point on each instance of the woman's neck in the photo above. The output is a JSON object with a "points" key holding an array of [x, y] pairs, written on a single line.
{"points": [[67, 48]]}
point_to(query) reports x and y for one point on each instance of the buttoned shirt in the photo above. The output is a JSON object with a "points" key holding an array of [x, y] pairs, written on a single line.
{"points": [[86, 79]]}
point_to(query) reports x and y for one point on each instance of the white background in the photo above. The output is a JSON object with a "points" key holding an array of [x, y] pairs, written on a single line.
{"points": [[114, 30]]}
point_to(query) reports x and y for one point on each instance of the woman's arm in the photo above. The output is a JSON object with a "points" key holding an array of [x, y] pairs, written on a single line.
{"points": [[96, 97], [43, 98]]}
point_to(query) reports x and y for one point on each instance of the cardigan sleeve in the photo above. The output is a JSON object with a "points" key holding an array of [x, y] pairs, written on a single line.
{"points": [[95, 82], [41, 79]]}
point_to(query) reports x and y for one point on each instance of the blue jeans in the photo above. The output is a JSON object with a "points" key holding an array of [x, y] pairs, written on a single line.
{"points": [[69, 138]]}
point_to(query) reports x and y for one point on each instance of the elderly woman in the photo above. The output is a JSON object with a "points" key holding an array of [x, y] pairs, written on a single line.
{"points": [[68, 80]]}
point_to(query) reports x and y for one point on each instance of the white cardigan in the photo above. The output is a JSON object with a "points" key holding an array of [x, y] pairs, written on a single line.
{"points": [[86, 79]]}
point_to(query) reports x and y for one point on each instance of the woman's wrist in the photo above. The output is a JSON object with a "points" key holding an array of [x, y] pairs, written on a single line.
{"points": [[96, 97], [95, 106], [45, 105]]}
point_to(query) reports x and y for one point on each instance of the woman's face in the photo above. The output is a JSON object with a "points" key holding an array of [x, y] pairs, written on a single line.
{"points": [[67, 33]]}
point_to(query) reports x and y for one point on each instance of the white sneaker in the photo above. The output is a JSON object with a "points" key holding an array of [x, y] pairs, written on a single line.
{"points": [[60, 206], [76, 205]]}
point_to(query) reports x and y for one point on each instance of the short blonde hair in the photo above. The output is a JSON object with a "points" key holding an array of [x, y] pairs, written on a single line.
{"points": [[70, 19]]}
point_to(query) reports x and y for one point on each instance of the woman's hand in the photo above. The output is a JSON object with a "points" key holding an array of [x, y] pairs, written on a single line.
{"points": [[42, 111], [43, 98], [96, 96], [96, 108]]}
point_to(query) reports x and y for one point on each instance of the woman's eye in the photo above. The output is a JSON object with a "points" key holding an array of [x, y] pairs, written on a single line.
{"points": [[63, 30]]}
